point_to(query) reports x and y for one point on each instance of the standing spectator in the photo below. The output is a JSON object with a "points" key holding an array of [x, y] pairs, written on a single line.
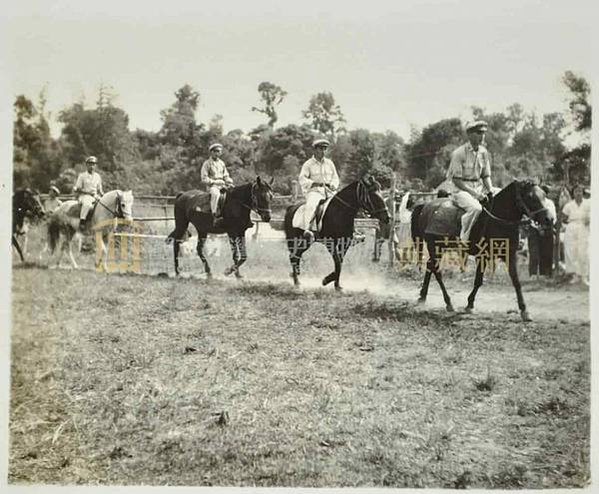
{"points": [[541, 240], [577, 218]]}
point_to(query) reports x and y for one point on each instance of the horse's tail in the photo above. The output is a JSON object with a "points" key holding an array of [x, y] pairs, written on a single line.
{"points": [[415, 222], [181, 221], [53, 233]]}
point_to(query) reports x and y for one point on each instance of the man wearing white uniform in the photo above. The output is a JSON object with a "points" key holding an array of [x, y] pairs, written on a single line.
{"points": [[215, 176], [470, 173], [319, 180], [89, 189]]}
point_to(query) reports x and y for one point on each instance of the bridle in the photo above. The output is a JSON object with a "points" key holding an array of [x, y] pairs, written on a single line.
{"points": [[118, 213], [521, 206], [254, 201], [364, 200]]}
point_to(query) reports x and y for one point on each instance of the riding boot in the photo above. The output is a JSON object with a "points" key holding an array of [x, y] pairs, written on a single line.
{"points": [[81, 225]]}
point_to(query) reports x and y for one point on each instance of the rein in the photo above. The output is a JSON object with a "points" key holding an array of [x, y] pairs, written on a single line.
{"points": [[254, 202], [118, 213], [363, 203], [522, 205]]}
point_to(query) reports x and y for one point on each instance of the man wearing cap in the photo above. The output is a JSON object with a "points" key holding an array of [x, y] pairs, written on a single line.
{"points": [[215, 176], [89, 189], [52, 202], [470, 174], [319, 180]]}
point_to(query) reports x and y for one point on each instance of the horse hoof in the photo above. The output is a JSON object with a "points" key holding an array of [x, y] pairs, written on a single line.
{"points": [[209, 276], [420, 301], [228, 271], [449, 308], [525, 316], [339, 288], [238, 275], [469, 310]]}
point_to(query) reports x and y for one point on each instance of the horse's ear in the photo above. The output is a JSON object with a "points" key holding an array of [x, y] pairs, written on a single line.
{"points": [[258, 180], [272, 181]]}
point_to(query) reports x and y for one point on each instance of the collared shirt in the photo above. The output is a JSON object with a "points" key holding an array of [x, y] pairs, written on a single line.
{"points": [[89, 183], [214, 171], [578, 213], [469, 165], [314, 171]]}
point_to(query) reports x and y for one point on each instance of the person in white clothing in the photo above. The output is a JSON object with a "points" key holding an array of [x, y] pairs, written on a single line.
{"points": [[577, 218], [89, 189], [319, 180], [470, 174], [215, 176]]}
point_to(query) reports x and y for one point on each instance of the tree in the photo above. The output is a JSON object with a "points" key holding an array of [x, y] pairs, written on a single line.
{"points": [[324, 114], [272, 96], [579, 105], [291, 140], [428, 153], [36, 155]]}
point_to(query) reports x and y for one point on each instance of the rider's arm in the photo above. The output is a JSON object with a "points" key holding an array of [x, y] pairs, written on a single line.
{"points": [[78, 185], [335, 181], [227, 177], [304, 177], [485, 173], [205, 173], [99, 189]]}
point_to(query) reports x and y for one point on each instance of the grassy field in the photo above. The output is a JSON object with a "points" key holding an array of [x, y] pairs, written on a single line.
{"points": [[145, 380]]}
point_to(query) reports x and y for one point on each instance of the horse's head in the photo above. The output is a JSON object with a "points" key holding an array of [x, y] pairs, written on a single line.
{"points": [[124, 204], [371, 200], [262, 195], [529, 199], [31, 204]]}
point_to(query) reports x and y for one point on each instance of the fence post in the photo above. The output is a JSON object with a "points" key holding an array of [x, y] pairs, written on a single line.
{"points": [[392, 223]]}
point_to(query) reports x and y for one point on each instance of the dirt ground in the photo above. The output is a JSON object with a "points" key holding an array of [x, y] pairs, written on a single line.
{"points": [[133, 379]]}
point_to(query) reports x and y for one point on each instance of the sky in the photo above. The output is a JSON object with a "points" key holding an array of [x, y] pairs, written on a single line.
{"points": [[391, 65]]}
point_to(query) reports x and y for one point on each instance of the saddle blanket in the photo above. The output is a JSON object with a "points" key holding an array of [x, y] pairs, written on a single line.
{"points": [[320, 210], [442, 217]]}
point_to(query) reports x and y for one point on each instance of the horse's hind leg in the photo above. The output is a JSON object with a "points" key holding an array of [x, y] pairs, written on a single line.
{"points": [[238, 250], [478, 282], [200, 251], [297, 246], [18, 247]]}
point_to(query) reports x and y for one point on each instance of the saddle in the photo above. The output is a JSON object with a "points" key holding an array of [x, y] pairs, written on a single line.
{"points": [[74, 210], [201, 202], [441, 217], [318, 215]]}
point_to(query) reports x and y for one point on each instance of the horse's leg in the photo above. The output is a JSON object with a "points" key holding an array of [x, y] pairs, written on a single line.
{"points": [[18, 247], [337, 249], [69, 242], [513, 271], [176, 256], [439, 278], [296, 246], [478, 281], [202, 237], [242, 255], [431, 263], [235, 254]]}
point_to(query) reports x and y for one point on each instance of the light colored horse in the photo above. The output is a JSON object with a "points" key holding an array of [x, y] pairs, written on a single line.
{"points": [[64, 224]]}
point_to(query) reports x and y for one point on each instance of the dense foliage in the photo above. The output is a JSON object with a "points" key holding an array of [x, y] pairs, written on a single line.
{"points": [[521, 143]]}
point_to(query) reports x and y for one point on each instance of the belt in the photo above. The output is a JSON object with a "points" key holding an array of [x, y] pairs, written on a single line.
{"points": [[468, 179], [320, 184]]}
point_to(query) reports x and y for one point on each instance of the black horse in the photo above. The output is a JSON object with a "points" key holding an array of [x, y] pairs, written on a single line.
{"points": [[493, 237], [25, 204], [239, 201], [337, 225]]}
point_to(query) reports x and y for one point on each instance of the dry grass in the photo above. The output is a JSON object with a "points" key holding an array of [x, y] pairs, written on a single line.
{"points": [[186, 382]]}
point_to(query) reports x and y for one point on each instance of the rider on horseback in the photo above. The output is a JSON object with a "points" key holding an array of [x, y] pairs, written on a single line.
{"points": [[470, 174], [319, 180], [89, 189], [215, 176]]}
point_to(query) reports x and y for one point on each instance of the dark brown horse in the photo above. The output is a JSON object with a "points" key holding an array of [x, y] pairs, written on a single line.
{"points": [[337, 225], [25, 204], [255, 196], [494, 236]]}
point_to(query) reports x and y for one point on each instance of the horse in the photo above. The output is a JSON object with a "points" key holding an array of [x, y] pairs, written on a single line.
{"points": [[497, 226], [26, 204], [337, 225], [64, 221], [192, 207]]}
